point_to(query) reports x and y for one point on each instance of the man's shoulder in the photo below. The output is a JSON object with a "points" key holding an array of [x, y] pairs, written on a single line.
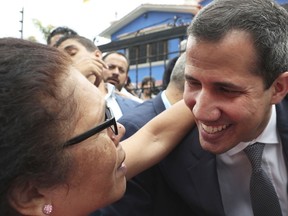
{"points": [[127, 94], [123, 99], [141, 113], [145, 110]]}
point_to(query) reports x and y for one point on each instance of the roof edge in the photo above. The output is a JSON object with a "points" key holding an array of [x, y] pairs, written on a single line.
{"points": [[143, 8]]}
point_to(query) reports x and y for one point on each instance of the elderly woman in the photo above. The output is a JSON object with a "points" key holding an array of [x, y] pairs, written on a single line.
{"points": [[59, 144]]}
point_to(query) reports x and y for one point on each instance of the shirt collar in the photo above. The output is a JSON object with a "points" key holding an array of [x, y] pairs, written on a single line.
{"points": [[165, 100], [110, 90]]}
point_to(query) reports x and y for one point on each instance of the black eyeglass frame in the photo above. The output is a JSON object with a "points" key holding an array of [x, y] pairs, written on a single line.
{"points": [[109, 122]]}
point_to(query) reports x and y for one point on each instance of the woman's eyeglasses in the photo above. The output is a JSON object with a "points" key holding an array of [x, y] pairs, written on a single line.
{"points": [[109, 122]]}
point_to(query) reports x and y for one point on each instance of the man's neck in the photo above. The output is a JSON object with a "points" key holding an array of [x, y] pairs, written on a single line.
{"points": [[173, 94]]}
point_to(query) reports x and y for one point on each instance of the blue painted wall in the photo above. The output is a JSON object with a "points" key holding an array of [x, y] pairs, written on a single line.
{"points": [[153, 18], [205, 2], [149, 19], [282, 2]]}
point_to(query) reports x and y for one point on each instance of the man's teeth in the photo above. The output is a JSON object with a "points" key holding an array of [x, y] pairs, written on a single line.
{"points": [[213, 129]]}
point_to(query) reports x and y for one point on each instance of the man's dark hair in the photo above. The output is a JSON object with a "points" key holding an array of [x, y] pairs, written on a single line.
{"points": [[62, 30], [88, 44], [167, 72], [264, 20]]}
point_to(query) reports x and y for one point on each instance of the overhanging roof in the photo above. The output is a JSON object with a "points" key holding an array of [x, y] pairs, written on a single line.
{"points": [[176, 32], [115, 26]]}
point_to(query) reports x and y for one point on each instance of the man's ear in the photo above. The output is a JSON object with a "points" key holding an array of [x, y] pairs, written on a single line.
{"points": [[280, 88], [98, 53], [26, 199]]}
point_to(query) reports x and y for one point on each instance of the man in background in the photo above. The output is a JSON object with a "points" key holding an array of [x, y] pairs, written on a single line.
{"points": [[88, 59], [117, 72]]}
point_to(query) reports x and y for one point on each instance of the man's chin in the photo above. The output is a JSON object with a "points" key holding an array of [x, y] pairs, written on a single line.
{"points": [[112, 82]]}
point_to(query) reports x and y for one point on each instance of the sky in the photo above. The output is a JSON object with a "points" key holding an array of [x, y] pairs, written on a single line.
{"points": [[87, 18]]}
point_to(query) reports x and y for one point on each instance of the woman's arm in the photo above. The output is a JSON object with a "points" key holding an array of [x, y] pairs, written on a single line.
{"points": [[157, 138]]}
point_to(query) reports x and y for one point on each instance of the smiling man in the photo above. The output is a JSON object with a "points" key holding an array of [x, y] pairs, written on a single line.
{"points": [[236, 82], [236, 87]]}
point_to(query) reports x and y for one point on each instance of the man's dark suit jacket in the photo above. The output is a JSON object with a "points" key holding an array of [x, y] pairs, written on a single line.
{"points": [[185, 183], [125, 104], [141, 114]]}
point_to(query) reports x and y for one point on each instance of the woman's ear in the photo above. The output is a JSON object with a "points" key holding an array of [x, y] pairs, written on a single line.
{"points": [[280, 88], [26, 199]]}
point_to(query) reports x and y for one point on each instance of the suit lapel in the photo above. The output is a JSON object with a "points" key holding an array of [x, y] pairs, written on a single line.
{"points": [[204, 178], [191, 172], [282, 127], [158, 104], [125, 104], [282, 124]]}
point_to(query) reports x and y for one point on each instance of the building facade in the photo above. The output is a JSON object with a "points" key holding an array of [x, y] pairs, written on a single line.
{"points": [[151, 35]]}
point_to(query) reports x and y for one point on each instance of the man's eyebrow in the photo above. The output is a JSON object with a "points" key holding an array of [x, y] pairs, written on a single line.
{"points": [[190, 78], [227, 85], [218, 84]]}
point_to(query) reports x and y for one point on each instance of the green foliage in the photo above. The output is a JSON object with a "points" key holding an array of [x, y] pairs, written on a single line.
{"points": [[45, 30], [32, 38]]}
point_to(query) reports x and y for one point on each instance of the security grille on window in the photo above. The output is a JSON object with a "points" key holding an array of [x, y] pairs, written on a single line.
{"points": [[148, 53]]}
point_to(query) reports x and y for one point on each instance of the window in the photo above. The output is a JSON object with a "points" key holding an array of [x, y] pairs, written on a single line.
{"points": [[146, 53]]}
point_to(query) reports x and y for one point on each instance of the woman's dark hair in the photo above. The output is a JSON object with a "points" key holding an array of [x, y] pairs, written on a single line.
{"points": [[36, 112], [145, 81]]}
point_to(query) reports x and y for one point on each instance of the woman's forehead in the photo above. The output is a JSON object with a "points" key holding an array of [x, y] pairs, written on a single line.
{"points": [[86, 92], [89, 101]]}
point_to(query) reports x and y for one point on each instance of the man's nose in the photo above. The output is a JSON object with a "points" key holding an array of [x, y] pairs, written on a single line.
{"points": [[205, 108], [116, 71]]}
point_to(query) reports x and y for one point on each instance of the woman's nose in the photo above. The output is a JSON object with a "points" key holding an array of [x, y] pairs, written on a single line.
{"points": [[121, 132]]}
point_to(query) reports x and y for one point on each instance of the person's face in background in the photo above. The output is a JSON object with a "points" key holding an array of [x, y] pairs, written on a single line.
{"points": [[87, 62], [97, 175], [117, 73], [147, 88], [228, 101]]}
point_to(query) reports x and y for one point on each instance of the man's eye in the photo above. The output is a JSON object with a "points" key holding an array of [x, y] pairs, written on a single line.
{"points": [[111, 67], [230, 91], [193, 83], [72, 52], [122, 71]]}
